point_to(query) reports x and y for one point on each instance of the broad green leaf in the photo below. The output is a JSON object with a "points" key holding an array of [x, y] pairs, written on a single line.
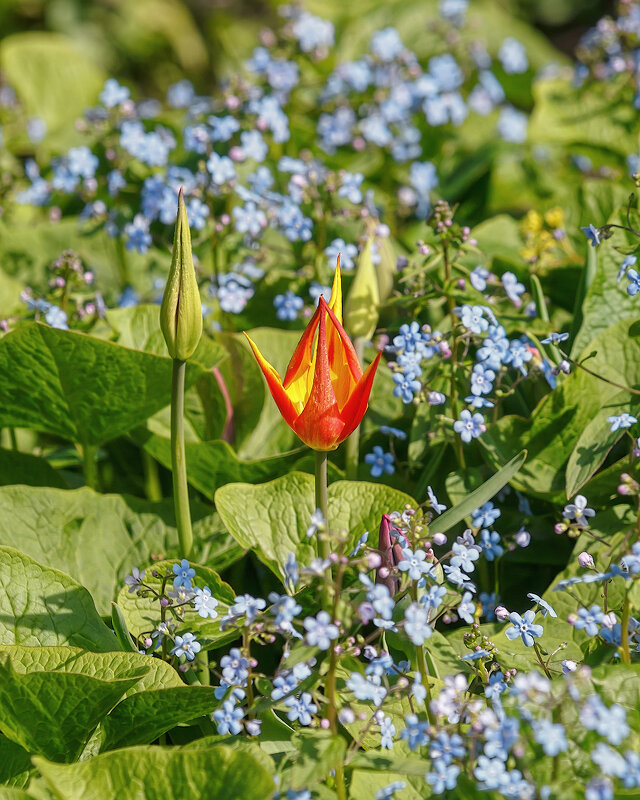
{"points": [[366, 783], [618, 683], [596, 440], [563, 116], [153, 672], [78, 387], [54, 713], [42, 606], [138, 327], [381, 761], [142, 614], [606, 302], [17, 467], [95, 538], [144, 716], [11, 793], [479, 496], [213, 464], [53, 78], [318, 752], [272, 518], [156, 773], [14, 761]]}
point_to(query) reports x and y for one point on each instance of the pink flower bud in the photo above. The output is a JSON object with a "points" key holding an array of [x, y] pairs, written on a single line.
{"points": [[439, 539], [609, 620], [586, 560], [325, 724], [373, 560], [501, 613], [559, 528]]}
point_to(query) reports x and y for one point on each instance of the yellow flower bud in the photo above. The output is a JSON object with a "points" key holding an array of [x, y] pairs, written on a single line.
{"points": [[554, 217], [363, 301], [532, 223], [181, 310]]}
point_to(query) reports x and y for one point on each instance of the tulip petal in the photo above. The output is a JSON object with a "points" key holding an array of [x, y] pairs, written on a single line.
{"points": [[357, 404], [335, 301], [274, 382], [345, 367], [320, 424], [301, 362]]}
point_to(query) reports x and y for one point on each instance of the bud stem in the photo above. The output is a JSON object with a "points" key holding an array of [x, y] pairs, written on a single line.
{"points": [[178, 461]]}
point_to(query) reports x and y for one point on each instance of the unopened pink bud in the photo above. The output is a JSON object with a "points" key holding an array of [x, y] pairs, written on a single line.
{"points": [[586, 560], [501, 613], [559, 528], [373, 560], [439, 539], [325, 724]]}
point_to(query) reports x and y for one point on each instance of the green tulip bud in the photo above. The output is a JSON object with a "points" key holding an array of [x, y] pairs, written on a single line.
{"points": [[181, 310], [363, 301]]}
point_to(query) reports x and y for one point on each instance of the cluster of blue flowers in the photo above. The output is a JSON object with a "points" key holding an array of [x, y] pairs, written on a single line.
{"points": [[226, 151]]}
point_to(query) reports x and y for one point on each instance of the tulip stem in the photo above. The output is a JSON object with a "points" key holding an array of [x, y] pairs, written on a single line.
{"points": [[322, 502], [178, 462], [352, 445]]}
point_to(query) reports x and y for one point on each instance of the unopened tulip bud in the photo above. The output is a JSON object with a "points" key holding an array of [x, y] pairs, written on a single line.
{"points": [[586, 560], [181, 310]]}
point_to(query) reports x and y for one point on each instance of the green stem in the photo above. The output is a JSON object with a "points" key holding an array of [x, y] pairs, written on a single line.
{"points": [[540, 660], [352, 445], [152, 486], [322, 502], [457, 441], [90, 465], [178, 461], [421, 663], [13, 438], [624, 630]]}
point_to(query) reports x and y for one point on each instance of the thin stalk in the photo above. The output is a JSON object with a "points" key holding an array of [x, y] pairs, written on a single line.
{"points": [[457, 441], [352, 446], [178, 461], [624, 631], [421, 663], [90, 465], [152, 487], [322, 502], [13, 439], [540, 660]]}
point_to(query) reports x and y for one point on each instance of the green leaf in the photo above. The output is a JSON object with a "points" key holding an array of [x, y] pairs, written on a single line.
{"points": [[120, 629], [78, 387], [596, 441], [479, 496], [16, 467], [318, 752], [11, 793], [142, 614], [42, 606], [94, 538], [156, 773], [272, 518], [144, 716], [53, 79], [15, 761], [606, 301], [214, 464], [54, 713]]}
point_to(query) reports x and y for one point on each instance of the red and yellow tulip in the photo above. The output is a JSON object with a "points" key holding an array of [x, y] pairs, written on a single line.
{"points": [[324, 394]]}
